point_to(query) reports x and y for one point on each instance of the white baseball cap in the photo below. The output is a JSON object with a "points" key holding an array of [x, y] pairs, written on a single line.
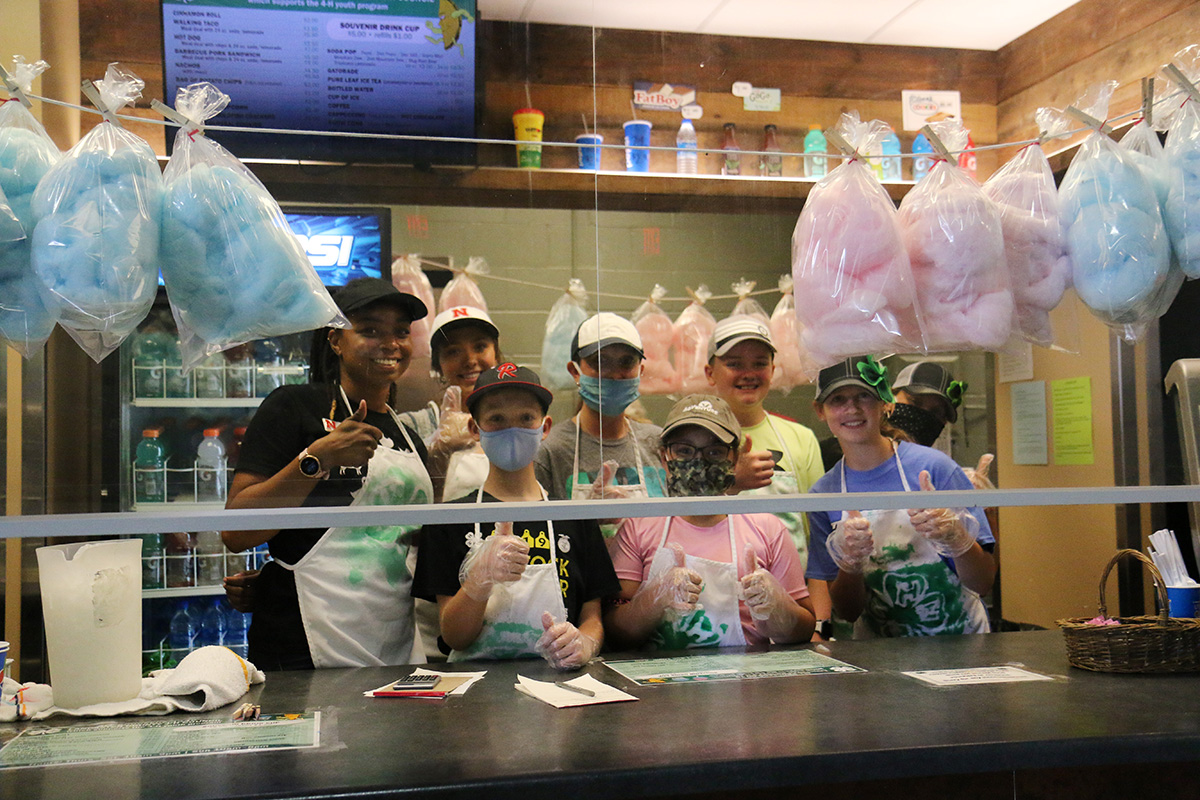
{"points": [[604, 330], [454, 317], [734, 330]]}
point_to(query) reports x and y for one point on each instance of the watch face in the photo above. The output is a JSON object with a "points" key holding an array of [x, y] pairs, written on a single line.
{"points": [[310, 466]]}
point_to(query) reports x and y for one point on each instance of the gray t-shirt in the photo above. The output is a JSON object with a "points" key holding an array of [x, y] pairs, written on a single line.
{"points": [[555, 459]]}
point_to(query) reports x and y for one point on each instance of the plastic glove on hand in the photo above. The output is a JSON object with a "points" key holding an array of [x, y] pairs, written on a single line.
{"points": [[762, 591], [563, 645], [604, 488], [979, 475], [501, 558], [851, 543], [943, 527], [676, 589], [452, 432], [754, 469]]}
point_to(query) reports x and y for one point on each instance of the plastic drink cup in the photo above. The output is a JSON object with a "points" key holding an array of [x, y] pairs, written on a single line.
{"points": [[1183, 600], [637, 139], [527, 125], [589, 153]]}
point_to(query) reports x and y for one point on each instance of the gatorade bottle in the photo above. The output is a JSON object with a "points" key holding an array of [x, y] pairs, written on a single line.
{"points": [[687, 155], [181, 559], [772, 165], [239, 371], [732, 164], [150, 469], [149, 361], [210, 558], [178, 383], [967, 159], [269, 368], [152, 561], [814, 153], [922, 152], [210, 377], [891, 166], [210, 468]]}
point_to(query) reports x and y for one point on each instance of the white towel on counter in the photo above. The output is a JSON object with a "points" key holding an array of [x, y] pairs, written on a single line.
{"points": [[207, 678]]}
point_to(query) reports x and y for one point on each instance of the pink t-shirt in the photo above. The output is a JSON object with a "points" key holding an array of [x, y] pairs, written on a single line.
{"points": [[637, 541]]}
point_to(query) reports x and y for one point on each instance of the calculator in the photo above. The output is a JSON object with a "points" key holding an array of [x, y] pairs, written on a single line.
{"points": [[415, 681]]}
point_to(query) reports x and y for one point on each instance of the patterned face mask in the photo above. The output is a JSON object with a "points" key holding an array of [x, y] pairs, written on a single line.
{"points": [[918, 423], [696, 477]]}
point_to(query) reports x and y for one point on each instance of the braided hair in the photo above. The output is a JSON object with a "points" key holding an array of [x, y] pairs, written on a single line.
{"points": [[325, 367]]}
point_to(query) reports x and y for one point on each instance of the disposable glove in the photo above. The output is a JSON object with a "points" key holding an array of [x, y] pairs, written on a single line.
{"points": [[763, 593], [851, 543], [452, 433], [950, 531], [501, 558], [563, 645], [979, 475]]}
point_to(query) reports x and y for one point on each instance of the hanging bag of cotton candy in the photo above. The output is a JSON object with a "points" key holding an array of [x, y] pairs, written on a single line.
{"points": [[955, 244], [566, 315], [26, 154], [463, 290], [233, 269], [1182, 207], [1119, 251], [408, 277], [1035, 241], [659, 375], [97, 212], [746, 305], [785, 335], [693, 328], [853, 284]]}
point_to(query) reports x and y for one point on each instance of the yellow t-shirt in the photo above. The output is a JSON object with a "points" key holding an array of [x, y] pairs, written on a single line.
{"points": [[797, 454]]}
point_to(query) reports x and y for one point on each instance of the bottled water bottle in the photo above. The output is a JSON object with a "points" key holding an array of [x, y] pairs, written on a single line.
{"points": [[181, 633], [212, 626], [235, 631], [210, 468], [150, 469], [891, 166], [269, 367], [687, 155], [814, 153], [922, 157], [210, 558]]}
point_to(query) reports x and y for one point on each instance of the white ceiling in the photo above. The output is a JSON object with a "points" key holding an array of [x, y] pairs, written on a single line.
{"points": [[971, 24]]}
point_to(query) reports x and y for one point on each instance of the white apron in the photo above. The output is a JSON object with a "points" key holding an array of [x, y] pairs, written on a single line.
{"points": [[632, 491], [911, 591], [717, 620], [465, 472], [512, 621], [353, 586], [786, 482]]}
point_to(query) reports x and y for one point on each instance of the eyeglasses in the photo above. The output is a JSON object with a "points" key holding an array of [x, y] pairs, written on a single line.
{"points": [[712, 453]]}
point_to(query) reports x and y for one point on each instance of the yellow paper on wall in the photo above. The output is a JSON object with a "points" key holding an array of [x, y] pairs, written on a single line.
{"points": [[1071, 402]]}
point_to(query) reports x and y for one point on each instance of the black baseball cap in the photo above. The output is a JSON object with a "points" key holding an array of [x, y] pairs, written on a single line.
{"points": [[928, 377], [362, 292], [862, 371], [509, 375]]}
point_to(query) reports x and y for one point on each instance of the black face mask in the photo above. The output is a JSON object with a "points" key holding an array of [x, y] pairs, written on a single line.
{"points": [[918, 423]]}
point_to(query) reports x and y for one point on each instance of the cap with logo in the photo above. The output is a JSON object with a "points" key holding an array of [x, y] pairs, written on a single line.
{"points": [[362, 292], [459, 316], [509, 376], [862, 371], [707, 411], [734, 330], [928, 377], [604, 330]]}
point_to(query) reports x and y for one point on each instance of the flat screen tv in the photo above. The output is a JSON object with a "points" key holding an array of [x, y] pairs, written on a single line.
{"points": [[344, 243], [357, 66]]}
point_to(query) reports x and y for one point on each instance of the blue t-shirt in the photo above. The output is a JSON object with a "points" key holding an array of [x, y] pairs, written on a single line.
{"points": [[944, 473]]}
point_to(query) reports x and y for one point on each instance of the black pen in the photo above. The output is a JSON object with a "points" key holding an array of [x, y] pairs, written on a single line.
{"points": [[578, 689]]}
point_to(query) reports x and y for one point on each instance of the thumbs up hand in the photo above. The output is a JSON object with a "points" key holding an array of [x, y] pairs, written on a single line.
{"points": [[603, 487], [754, 468], [350, 444], [674, 589], [763, 593], [946, 529], [851, 543], [563, 645], [501, 558], [979, 475], [452, 433]]}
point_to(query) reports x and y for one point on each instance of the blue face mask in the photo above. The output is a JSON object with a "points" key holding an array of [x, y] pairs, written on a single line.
{"points": [[618, 395], [511, 449]]}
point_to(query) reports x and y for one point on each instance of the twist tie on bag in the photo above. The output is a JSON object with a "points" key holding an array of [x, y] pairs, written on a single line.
{"points": [[476, 265], [875, 374], [955, 392], [1147, 102], [177, 118], [1087, 119], [13, 88]]}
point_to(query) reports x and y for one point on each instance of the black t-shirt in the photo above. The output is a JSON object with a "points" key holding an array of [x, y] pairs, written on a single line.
{"points": [[585, 571]]}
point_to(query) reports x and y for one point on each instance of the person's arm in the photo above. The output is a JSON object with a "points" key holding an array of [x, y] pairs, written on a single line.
{"points": [[850, 545], [460, 618], [950, 532], [822, 604], [776, 614], [566, 646], [451, 436], [502, 558], [754, 469], [976, 569], [849, 595], [641, 605]]}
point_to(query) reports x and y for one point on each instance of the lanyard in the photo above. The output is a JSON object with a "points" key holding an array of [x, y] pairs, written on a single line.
{"points": [[395, 419]]}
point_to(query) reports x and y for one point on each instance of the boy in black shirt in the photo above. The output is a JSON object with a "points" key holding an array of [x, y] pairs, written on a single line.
{"points": [[515, 590]]}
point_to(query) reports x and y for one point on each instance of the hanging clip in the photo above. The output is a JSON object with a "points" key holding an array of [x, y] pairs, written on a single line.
{"points": [[179, 119], [13, 89], [1148, 101], [1176, 75], [939, 147], [92, 93], [844, 147], [1089, 120]]}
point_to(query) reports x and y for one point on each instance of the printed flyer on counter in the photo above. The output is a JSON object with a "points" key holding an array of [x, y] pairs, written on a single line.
{"points": [[121, 741], [728, 667]]}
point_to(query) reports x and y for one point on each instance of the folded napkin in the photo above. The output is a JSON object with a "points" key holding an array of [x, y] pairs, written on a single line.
{"points": [[207, 678]]}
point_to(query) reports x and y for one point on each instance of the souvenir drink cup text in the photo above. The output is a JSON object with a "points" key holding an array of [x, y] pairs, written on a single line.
{"points": [[637, 138], [589, 153], [527, 125]]}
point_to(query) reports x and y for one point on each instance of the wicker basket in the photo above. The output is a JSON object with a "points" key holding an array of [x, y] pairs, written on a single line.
{"points": [[1138, 644]]}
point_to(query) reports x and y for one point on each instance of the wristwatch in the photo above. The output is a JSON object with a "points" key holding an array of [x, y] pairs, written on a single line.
{"points": [[825, 629], [310, 465]]}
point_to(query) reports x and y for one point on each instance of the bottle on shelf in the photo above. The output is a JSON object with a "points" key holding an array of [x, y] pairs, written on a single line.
{"points": [[209, 377], [239, 371], [891, 164], [967, 158], [210, 468], [210, 558], [235, 631], [687, 154], [181, 633], [149, 364], [771, 165], [732, 154], [181, 559], [178, 383], [922, 152], [235, 447], [150, 469], [152, 561], [269, 372], [815, 162], [295, 365], [212, 625]]}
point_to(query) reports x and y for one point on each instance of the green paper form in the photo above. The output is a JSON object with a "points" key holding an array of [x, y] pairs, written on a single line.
{"points": [[1071, 401]]}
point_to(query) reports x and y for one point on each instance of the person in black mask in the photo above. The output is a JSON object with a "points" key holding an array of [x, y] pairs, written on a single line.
{"points": [[927, 399]]}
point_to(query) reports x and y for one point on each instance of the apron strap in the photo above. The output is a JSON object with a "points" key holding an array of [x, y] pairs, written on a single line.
{"points": [[899, 468]]}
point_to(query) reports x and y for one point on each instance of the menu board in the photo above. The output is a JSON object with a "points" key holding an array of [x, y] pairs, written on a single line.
{"points": [[386, 66]]}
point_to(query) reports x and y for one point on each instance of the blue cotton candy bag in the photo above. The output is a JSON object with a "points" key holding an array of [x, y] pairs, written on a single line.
{"points": [[26, 154], [566, 315], [1182, 206], [95, 244], [233, 269]]}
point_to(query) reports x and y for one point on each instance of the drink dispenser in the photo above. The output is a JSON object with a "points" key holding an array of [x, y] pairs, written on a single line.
{"points": [[91, 604], [1184, 378]]}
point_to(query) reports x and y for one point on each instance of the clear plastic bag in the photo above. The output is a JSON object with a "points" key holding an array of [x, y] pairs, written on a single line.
{"points": [[654, 326], [956, 249], [233, 269], [1181, 209], [1119, 249], [1035, 242], [462, 290], [97, 212], [566, 315], [408, 277], [26, 154], [785, 334], [746, 305], [853, 283], [693, 328]]}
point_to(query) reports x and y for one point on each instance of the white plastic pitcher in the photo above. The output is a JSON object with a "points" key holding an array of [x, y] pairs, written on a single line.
{"points": [[91, 604]]}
